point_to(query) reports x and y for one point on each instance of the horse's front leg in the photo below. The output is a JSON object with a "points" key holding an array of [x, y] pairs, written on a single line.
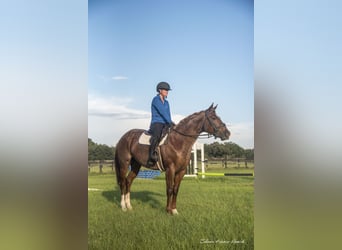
{"points": [[178, 178], [170, 178]]}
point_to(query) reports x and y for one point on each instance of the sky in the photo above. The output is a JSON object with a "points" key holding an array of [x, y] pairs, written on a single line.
{"points": [[203, 49]]}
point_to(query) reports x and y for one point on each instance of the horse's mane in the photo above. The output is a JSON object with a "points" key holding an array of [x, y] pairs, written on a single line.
{"points": [[185, 120]]}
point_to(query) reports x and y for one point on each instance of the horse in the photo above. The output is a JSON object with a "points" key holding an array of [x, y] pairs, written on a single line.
{"points": [[175, 154]]}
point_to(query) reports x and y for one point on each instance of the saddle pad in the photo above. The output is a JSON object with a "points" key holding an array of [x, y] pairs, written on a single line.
{"points": [[145, 139]]}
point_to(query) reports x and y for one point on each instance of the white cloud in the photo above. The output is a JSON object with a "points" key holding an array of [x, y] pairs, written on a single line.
{"points": [[177, 118], [108, 78], [110, 118], [114, 107], [118, 78], [108, 130], [242, 134]]}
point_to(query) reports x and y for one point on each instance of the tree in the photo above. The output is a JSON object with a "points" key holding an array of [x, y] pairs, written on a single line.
{"points": [[234, 150], [228, 149], [99, 151], [249, 154], [216, 150], [91, 150]]}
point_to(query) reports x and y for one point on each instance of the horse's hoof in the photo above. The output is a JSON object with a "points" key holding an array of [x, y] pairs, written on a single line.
{"points": [[174, 212], [130, 208], [124, 209]]}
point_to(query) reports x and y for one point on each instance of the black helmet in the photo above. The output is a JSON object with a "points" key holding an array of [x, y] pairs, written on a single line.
{"points": [[163, 85]]}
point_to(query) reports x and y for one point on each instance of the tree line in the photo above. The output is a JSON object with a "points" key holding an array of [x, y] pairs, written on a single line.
{"points": [[99, 151], [227, 150], [211, 151]]}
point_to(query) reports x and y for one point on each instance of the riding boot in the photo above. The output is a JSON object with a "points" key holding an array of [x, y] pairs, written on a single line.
{"points": [[153, 155]]}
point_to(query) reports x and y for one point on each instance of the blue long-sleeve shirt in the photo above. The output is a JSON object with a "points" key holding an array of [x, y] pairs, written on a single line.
{"points": [[160, 111]]}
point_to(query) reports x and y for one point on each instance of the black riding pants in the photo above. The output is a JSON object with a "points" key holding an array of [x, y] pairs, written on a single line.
{"points": [[156, 130]]}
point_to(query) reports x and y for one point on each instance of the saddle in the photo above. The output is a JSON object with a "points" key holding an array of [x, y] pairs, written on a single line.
{"points": [[144, 138]]}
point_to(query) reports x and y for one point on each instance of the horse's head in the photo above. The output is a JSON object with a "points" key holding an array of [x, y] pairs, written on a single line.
{"points": [[214, 125]]}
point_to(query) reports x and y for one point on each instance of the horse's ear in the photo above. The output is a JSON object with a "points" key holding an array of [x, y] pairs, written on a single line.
{"points": [[211, 106], [215, 106]]}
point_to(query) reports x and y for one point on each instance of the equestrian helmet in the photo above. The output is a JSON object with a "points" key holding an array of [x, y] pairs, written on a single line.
{"points": [[163, 85]]}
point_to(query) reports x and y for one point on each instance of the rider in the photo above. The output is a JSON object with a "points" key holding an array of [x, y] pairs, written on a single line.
{"points": [[161, 117]]}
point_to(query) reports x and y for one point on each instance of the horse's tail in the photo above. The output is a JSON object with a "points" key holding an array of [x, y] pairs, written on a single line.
{"points": [[117, 167]]}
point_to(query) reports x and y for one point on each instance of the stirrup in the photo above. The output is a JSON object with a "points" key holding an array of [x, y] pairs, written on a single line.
{"points": [[154, 156], [150, 163]]}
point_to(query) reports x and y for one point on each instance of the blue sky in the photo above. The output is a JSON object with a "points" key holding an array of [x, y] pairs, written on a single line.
{"points": [[204, 49]]}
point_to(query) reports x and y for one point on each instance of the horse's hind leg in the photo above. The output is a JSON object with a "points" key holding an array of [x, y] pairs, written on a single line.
{"points": [[121, 167], [135, 167]]}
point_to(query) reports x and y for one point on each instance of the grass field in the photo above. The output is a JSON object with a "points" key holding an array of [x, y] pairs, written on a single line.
{"points": [[215, 212]]}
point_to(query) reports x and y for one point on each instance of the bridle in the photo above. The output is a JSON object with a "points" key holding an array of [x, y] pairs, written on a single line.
{"points": [[216, 129], [202, 129]]}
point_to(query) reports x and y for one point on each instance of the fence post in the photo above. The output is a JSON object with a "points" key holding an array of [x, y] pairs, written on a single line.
{"points": [[101, 166]]}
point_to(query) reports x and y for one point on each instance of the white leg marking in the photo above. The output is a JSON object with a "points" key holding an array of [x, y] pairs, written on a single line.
{"points": [[128, 201], [123, 204], [174, 211]]}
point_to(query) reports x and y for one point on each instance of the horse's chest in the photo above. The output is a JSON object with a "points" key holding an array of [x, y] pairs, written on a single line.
{"points": [[185, 159]]}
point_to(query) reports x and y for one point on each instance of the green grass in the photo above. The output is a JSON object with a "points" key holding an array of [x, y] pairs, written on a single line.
{"points": [[212, 212]]}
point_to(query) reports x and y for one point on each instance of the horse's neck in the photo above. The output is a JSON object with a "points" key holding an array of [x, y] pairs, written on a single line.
{"points": [[189, 131], [192, 126]]}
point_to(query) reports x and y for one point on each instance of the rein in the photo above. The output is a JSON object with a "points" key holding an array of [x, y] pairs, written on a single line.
{"points": [[200, 136], [181, 133]]}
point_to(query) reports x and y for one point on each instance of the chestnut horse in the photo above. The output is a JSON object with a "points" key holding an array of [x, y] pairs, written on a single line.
{"points": [[175, 154]]}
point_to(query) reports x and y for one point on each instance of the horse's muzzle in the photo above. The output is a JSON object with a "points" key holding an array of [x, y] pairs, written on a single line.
{"points": [[225, 135]]}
